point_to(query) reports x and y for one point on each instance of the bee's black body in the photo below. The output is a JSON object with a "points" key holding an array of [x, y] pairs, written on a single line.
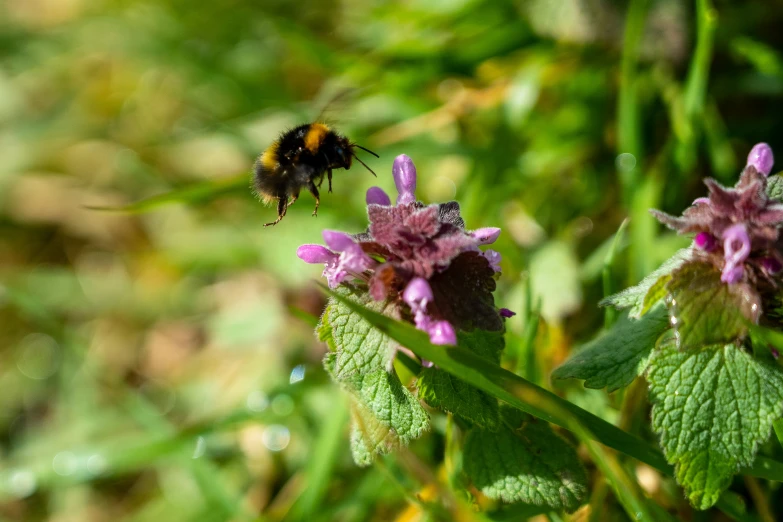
{"points": [[299, 159]]}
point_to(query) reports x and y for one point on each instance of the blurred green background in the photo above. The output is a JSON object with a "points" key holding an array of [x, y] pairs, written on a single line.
{"points": [[151, 367]]}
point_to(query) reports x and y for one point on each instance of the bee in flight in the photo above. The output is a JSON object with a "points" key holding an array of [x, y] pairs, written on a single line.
{"points": [[299, 159]]}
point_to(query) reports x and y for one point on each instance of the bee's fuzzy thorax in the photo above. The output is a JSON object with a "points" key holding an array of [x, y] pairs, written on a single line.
{"points": [[315, 136]]}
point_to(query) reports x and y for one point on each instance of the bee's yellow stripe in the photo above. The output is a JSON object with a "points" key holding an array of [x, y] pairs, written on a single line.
{"points": [[314, 137], [269, 158]]}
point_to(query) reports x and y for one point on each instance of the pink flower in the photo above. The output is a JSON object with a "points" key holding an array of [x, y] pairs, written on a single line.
{"points": [[417, 295], [417, 256], [337, 267]]}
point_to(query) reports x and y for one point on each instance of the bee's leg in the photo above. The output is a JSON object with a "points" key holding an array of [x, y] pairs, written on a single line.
{"points": [[314, 191], [281, 208], [293, 200], [329, 175], [320, 181]]}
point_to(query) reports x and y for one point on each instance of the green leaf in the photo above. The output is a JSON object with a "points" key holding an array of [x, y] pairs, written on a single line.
{"points": [[385, 414], [711, 408], [634, 297], [705, 311], [358, 346], [442, 390], [615, 359], [775, 187], [656, 292], [525, 461]]}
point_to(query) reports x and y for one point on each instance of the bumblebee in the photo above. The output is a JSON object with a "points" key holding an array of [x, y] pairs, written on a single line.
{"points": [[299, 159]]}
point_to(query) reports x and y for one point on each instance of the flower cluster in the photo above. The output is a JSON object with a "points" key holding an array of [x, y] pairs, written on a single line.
{"points": [[420, 257], [737, 229]]}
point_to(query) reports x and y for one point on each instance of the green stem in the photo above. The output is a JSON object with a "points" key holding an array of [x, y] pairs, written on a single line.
{"points": [[699, 72], [598, 499], [628, 129], [696, 85], [526, 358]]}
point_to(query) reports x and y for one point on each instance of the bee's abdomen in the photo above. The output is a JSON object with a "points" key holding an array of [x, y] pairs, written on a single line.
{"points": [[269, 177]]}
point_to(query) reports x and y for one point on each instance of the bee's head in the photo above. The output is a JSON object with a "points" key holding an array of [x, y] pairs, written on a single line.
{"points": [[343, 153]]}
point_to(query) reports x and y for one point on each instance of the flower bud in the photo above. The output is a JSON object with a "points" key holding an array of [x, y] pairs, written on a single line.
{"points": [[705, 241], [441, 332], [417, 294], [505, 312], [486, 236], [376, 196], [315, 254], [761, 158], [404, 172]]}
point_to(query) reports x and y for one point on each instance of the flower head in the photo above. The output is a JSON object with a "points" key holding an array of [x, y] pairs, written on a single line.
{"points": [[744, 218], [419, 258]]}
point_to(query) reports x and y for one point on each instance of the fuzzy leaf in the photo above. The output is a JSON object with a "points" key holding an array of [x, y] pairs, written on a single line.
{"points": [[442, 390], [634, 296], [525, 461], [358, 346], [615, 359], [705, 311], [711, 408], [656, 292], [775, 187], [385, 414]]}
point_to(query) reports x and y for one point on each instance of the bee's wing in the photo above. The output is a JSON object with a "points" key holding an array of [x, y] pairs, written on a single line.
{"points": [[333, 98]]}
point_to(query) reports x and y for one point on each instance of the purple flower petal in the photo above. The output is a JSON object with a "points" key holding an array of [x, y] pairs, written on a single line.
{"points": [[441, 332], [336, 240], [376, 196], [486, 236], [736, 244], [404, 172], [494, 259], [701, 201], [705, 241], [417, 294], [355, 260], [505, 312], [761, 158], [732, 274], [315, 254]]}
